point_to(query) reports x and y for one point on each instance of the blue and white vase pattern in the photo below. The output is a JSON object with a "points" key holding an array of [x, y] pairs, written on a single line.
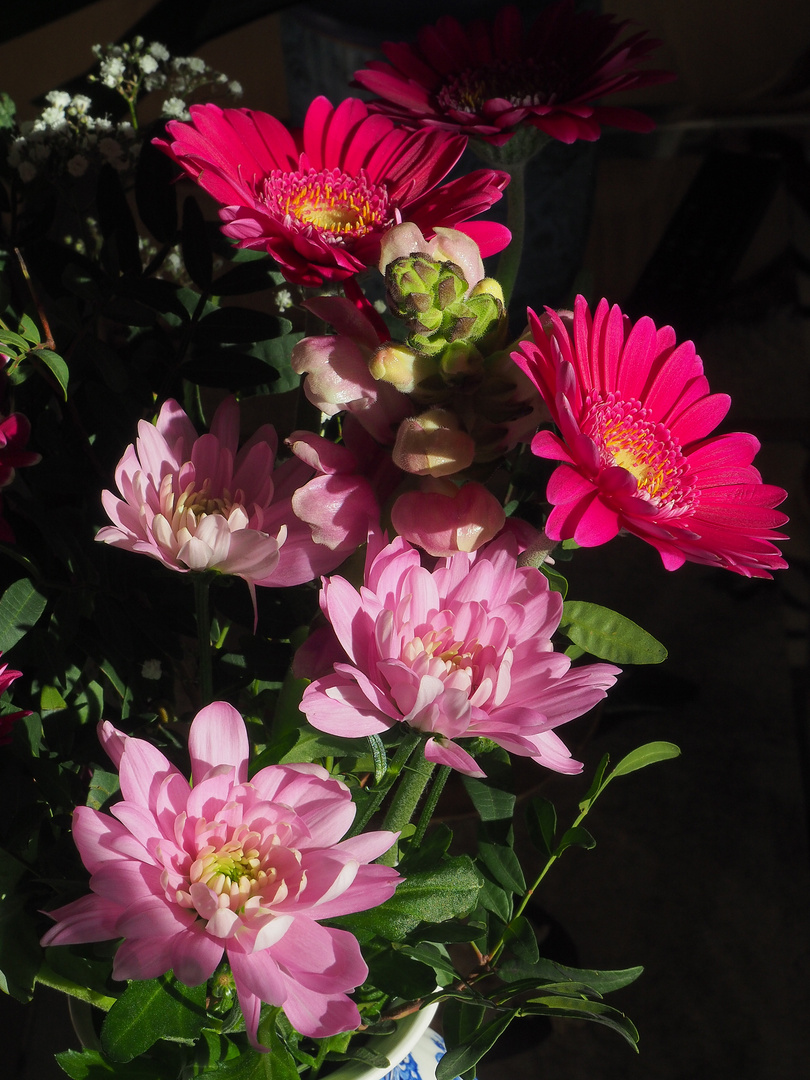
{"points": [[421, 1063]]}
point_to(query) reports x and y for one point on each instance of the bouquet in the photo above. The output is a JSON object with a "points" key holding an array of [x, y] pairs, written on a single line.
{"points": [[290, 498]]}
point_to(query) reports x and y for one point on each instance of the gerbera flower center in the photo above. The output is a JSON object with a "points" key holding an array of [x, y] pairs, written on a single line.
{"points": [[521, 84], [331, 203], [625, 437]]}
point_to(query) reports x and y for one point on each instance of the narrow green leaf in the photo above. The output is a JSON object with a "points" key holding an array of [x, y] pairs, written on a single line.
{"points": [[20, 607], [379, 756], [645, 755], [584, 1009], [57, 366], [609, 635], [8, 337], [597, 784], [468, 1055]]}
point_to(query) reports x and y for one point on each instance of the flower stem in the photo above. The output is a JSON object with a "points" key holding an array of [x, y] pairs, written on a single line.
{"points": [[404, 803], [202, 606], [509, 262], [395, 767], [436, 788]]}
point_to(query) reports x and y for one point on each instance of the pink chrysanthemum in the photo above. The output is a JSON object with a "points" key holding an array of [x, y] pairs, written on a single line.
{"points": [[634, 414], [320, 205], [461, 652], [199, 502], [488, 79], [244, 869]]}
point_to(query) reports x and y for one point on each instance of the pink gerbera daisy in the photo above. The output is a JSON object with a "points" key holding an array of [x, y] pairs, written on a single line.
{"points": [[634, 415], [489, 78], [320, 204]]}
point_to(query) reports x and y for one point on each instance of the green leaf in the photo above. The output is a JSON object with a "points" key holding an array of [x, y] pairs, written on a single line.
{"points": [[598, 982], [57, 366], [50, 700], [449, 892], [597, 784], [608, 635], [151, 1010], [29, 330], [490, 801], [493, 898], [246, 278], [576, 836], [379, 756], [467, 1056], [584, 1009], [20, 608], [8, 337], [103, 787], [91, 1065], [541, 821], [556, 581], [646, 755], [435, 958], [502, 863]]}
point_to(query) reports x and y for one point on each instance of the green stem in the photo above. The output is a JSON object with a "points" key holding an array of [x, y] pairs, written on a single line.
{"points": [[48, 977], [395, 767], [509, 262], [406, 799], [535, 885], [202, 606], [425, 818]]}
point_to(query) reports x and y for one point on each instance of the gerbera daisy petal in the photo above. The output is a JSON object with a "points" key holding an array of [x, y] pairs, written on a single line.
{"points": [[635, 418]]}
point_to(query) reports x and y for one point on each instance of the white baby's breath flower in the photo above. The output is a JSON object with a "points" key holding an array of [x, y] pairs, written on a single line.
{"points": [[58, 98], [148, 64], [52, 116], [235, 88], [81, 103], [284, 299], [160, 52], [176, 108], [196, 64]]}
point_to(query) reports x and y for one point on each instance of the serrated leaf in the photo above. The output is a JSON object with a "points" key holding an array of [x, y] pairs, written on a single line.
{"points": [[609, 635], [150, 1010], [20, 608], [646, 755], [56, 365]]}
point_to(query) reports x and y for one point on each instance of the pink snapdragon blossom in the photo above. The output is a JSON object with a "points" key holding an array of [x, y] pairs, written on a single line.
{"points": [[199, 502], [245, 869], [461, 652], [320, 203], [635, 417], [443, 518]]}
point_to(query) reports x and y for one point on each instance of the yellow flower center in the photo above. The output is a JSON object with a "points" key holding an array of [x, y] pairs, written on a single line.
{"points": [[331, 203]]}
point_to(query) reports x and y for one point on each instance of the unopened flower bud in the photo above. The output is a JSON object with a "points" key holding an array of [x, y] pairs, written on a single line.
{"points": [[432, 444], [401, 366]]}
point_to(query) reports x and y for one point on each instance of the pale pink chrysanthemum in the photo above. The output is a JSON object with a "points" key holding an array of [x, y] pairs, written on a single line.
{"points": [[462, 652], [319, 204], [244, 870], [199, 502], [488, 79], [635, 417]]}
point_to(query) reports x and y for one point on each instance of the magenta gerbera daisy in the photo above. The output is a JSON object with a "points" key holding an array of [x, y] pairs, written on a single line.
{"points": [[489, 78], [635, 418], [319, 204]]}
